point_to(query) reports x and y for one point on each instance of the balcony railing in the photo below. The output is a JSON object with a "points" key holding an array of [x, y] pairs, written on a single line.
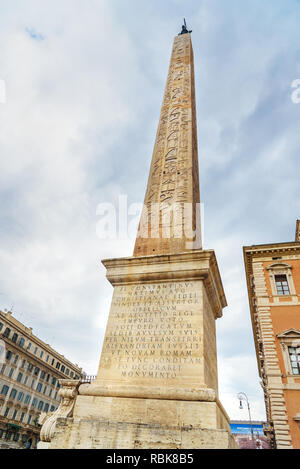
{"points": [[88, 378]]}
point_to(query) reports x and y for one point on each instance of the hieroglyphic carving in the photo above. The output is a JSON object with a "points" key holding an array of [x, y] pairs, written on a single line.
{"points": [[173, 177]]}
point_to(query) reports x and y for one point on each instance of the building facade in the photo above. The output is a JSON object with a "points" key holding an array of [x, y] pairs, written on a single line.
{"points": [[29, 374], [273, 279]]}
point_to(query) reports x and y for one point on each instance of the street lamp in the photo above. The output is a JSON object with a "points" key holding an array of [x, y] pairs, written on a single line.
{"points": [[243, 397]]}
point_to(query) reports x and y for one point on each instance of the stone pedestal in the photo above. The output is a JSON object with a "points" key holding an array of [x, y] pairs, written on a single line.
{"points": [[157, 384]]}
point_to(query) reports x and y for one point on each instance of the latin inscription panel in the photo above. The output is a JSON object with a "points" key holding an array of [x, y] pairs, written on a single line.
{"points": [[154, 334]]}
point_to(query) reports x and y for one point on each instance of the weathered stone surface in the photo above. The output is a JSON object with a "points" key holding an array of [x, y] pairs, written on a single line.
{"points": [[102, 422], [174, 176]]}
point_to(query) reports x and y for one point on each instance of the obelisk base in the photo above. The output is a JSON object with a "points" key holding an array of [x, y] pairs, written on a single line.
{"points": [[126, 423]]}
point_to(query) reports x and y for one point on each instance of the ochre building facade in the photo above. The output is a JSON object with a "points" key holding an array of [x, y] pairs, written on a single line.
{"points": [[273, 278]]}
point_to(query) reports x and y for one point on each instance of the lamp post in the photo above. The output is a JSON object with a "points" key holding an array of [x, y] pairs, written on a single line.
{"points": [[243, 397]]}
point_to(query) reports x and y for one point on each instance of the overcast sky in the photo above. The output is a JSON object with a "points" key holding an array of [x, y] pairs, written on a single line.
{"points": [[84, 85]]}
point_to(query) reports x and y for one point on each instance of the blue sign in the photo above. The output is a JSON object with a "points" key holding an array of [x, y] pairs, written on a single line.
{"points": [[245, 429]]}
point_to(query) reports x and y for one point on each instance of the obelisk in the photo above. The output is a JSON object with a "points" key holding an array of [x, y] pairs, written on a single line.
{"points": [[157, 383]]}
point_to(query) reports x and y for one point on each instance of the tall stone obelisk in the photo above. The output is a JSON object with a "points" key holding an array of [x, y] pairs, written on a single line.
{"points": [[157, 384], [173, 185]]}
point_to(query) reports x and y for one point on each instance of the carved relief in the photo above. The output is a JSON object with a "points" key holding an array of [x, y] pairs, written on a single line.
{"points": [[174, 169], [68, 394]]}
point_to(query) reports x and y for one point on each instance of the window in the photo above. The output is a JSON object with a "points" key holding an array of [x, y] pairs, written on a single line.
{"points": [[46, 408], [30, 367], [72, 374], [14, 417], [36, 371], [8, 435], [48, 377], [29, 420], [282, 285], [42, 353], [11, 372], [41, 405], [4, 390], [35, 350], [57, 365], [3, 369], [16, 436], [13, 393], [7, 332], [63, 369], [53, 361], [34, 402], [6, 412], [54, 381], [14, 338], [22, 416], [29, 346], [32, 384], [16, 359], [67, 371], [27, 399], [19, 378], [23, 364], [39, 387], [1, 325], [43, 374], [25, 380], [1, 432], [9, 355], [47, 359], [52, 409], [22, 342], [20, 396], [294, 353]]}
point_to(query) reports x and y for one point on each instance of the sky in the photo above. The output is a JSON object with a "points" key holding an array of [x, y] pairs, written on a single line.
{"points": [[84, 83]]}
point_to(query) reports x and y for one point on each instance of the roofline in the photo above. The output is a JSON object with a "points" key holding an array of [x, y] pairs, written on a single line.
{"points": [[28, 333], [261, 247]]}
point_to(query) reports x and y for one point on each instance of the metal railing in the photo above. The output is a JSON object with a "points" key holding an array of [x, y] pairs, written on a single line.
{"points": [[88, 378]]}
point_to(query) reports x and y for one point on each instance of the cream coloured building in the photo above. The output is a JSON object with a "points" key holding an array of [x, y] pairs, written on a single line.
{"points": [[29, 374]]}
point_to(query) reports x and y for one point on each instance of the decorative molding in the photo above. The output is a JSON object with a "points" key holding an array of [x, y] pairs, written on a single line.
{"points": [[186, 266], [68, 393], [289, 338], [281, 268]]}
